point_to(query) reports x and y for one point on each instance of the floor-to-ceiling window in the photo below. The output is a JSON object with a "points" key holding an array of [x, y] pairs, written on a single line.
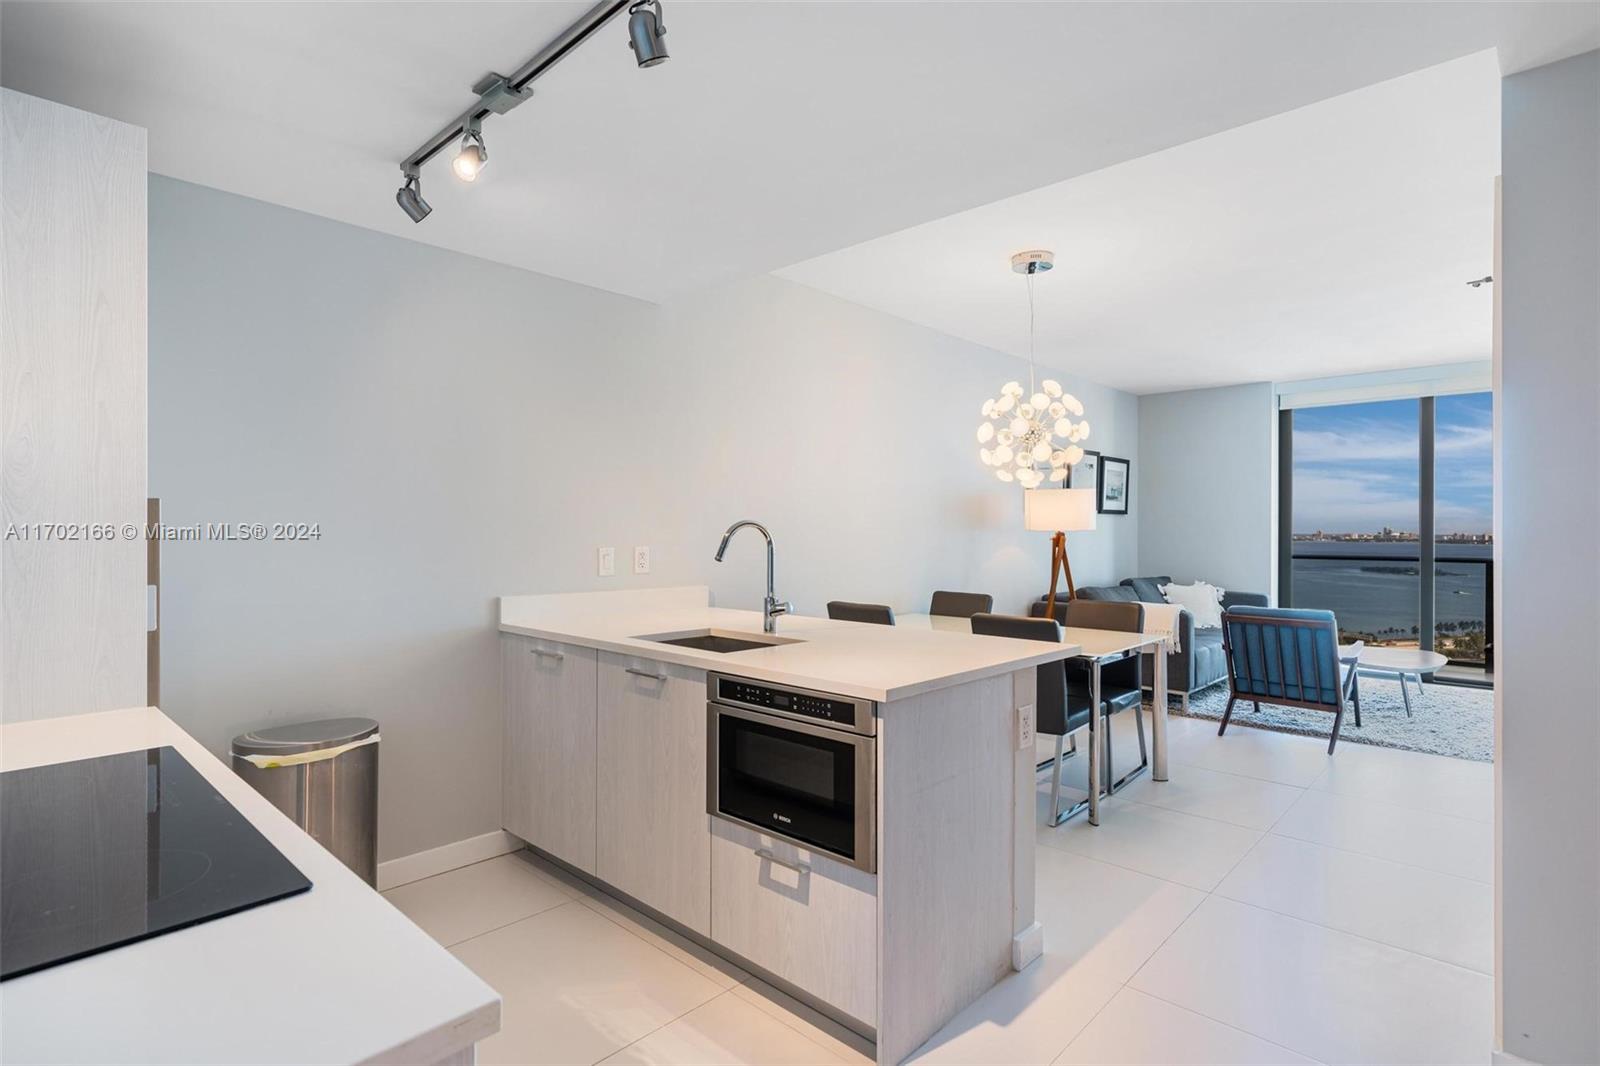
{"points": [[1463, 506], [1369, 485], [1356, 518]]}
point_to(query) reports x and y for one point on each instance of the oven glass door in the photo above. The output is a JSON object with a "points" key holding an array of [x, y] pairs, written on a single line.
{"points": [[791, 780]]}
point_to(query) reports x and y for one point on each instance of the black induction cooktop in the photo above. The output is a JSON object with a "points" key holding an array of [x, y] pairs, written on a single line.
{"points": [[103, 852]]}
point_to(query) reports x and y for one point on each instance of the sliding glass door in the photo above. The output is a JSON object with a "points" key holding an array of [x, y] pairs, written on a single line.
{"points": [[1376, 493]]}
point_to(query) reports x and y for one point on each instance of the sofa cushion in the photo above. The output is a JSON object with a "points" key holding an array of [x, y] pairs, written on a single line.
{"points": [[1148, 589], [1121, 593], [1207, 661]]}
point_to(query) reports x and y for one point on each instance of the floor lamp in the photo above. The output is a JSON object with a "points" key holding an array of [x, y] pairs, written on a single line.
{"points": [[1059, 512]]}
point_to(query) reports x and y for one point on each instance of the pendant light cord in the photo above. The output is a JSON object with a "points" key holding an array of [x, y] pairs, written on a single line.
{"points": [[1032, 388]]}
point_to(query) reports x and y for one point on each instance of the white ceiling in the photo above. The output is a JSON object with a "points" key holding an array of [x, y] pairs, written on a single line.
{"points": [[1333, 239], [778, 132]]}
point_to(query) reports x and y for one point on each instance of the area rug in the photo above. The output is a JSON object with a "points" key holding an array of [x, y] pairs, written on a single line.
{"points": [[1447, 720]]}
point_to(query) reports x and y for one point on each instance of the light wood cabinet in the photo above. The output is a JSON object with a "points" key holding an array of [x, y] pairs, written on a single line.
{"points": [[73, 422], [815, 927], [548, 752], [654, 833]]}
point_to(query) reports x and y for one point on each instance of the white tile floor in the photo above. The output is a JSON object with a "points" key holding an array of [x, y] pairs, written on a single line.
{"points": [[1269, 904]]}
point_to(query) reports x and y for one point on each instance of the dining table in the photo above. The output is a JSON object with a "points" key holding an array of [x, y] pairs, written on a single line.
{"points": [[1097, 648]]}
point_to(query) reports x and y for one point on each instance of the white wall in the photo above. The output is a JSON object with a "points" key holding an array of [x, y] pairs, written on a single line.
{"points": [[1548, 981], [1206, 485], [463, 430]]}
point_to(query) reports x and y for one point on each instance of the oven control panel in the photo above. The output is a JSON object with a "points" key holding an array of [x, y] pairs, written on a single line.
{"points": [[842, 711]]}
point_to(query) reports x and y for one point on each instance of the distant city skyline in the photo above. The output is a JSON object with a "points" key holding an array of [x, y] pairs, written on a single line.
{"points": [[1355, 467]]}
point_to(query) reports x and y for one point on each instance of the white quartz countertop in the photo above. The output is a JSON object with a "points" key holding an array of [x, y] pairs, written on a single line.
{"points": [[333, 975], [874, 662]]}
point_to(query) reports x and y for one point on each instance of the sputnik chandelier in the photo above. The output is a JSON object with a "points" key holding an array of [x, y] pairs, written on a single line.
{"points": [[1030, 436]]}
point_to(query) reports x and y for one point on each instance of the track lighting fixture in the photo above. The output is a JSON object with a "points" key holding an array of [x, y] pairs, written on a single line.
{"points": [[497, 93], [472, 157], [410, 198], [646, 32]]}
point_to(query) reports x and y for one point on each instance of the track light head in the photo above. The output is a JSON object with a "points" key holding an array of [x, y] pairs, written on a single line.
{"points": [[410, 199], [646, 33], [472, 158]]}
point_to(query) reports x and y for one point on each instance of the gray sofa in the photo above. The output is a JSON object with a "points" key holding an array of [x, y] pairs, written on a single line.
{"points": [[1200, 663]]}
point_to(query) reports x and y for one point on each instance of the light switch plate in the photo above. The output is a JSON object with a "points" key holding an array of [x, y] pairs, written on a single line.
{"points": [[1025, 727], [605, 561], [641, 560]]}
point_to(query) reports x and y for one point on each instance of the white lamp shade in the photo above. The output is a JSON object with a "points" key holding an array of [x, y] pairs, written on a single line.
{"points": [[1066, 510]]}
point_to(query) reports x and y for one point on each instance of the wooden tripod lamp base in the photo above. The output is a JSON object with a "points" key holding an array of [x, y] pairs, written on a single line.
{"points": [[1058, 565], [1056, 511]]}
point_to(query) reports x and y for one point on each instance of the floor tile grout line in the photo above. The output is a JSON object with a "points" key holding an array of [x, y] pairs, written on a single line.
{"points": [[1250, 777], [593, 905], [1084, 1028], [1351, 933], [505, 925], [784, 1021], [1187, 918], [588, 902], [1211, 818], [1133, 870], [1227, 1024], [1381, 858], [1312, 787], [1212, 891], [670, 1021], [1408, 807], [454, 869], [1354, 740], [1391, 805]]}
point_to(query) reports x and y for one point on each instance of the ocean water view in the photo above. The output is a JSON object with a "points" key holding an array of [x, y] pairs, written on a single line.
{"points": [[1376, 598]]}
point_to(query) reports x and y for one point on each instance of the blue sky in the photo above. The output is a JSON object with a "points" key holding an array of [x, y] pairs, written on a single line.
{"points": [[1355, 466]]}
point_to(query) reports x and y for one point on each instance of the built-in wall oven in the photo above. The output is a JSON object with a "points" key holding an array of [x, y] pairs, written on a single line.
{"points": [[795, 764]]}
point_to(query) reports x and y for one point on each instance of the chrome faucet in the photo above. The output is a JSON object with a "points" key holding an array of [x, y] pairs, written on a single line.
{"points": [[771, 608]]}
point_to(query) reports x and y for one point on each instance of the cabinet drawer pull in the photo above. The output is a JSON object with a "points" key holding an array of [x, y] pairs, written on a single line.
{"points": [[644, 673], [543, 654], [797, 867]]}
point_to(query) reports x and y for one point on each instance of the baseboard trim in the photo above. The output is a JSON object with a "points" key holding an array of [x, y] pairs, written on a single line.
{"points": [[1027, 946], [447, 857], [1505, 1058]]}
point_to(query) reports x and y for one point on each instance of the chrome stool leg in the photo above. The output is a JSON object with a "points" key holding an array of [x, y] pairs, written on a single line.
{"points": [[1055, 785]]}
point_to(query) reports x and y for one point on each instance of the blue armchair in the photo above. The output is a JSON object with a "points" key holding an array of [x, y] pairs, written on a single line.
{"points": [[1288, 657]]}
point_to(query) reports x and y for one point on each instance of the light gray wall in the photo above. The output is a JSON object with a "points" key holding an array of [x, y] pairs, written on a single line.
{"points": [[1549, 561], [463, 430], [1206, 485]]}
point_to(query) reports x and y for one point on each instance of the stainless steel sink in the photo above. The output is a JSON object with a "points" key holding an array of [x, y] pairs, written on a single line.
{"points": [[721, 641]]}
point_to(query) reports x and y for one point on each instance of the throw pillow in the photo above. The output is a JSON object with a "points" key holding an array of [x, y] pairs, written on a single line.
{"points": [[1201, 599]]}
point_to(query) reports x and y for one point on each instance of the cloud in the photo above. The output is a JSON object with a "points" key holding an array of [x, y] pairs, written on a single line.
{"points": [[1369, 441], [1366, 502], [1356, 467]]}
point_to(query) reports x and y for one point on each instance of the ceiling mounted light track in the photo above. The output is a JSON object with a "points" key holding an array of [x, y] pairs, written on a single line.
{"points": [[499, 93]]}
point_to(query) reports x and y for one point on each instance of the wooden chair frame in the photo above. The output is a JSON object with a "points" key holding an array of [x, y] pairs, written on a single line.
{"points": [[1347, 689]]}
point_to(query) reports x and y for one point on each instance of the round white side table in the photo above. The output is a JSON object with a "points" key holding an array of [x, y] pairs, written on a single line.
{"points": [[1400, 663]]}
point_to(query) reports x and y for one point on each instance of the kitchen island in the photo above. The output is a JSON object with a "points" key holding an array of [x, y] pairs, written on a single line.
{"points": [[332, 975], [615, 722]]}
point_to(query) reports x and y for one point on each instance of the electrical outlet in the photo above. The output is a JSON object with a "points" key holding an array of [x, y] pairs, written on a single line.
{"points": [[1025, 727], [641, 560], [605, 561]]}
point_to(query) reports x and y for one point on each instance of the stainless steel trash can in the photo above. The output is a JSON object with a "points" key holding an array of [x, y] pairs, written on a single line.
{"points": [[324, 775]]}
